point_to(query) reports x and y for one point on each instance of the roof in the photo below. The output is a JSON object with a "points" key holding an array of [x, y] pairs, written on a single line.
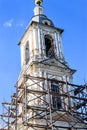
{"points": [[40, 18]]}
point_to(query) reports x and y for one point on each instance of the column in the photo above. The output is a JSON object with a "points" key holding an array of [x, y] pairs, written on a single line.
{"points": [[60, 48], [39, 42], [43, 43], [56, 44], [30, 44], [35, 41]]}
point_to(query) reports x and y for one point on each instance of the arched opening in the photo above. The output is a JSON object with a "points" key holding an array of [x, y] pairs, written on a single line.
{"points": [[46, 23], [27, 53], [56, 99], [49, 46]]}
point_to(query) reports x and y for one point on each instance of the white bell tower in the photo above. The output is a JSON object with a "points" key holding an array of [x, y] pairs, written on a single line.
{"points": [[45, 98], [42, 56], [41, 40], [41, 48]]}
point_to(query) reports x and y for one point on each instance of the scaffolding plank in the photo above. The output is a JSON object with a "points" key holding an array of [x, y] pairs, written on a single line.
{"points": [[37, 108], [38, 125], [35, 91], [7, 103]]}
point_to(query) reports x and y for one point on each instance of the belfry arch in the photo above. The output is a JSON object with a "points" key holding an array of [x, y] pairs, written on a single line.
{"points": [[49, 45]]}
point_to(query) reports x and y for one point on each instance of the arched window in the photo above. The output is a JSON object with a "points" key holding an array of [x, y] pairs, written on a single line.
{"points": [[27, 53], [49, 46], [56, 99], [46, 22]]}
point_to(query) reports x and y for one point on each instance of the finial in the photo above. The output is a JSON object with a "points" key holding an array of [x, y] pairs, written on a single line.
{"points": [[38, 2]]}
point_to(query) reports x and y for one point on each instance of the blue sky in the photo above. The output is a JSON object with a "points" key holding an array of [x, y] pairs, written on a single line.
{"points": [[71, 15]]}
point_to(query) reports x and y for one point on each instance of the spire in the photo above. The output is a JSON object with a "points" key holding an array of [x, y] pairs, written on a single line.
{"points": [[38, 9], [38, 2]]}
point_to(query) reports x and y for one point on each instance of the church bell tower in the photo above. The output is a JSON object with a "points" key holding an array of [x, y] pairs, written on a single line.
{"points": [[42, 40], [44, 75], [42, 56], [45, 97]]}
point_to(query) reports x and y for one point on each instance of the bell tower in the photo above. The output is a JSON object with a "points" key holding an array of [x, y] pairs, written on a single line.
{"points": [[44, 73], [41, 40], [45, 97]]}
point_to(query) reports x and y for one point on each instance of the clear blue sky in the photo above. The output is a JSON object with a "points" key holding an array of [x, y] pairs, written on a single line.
{"points": [[71, 15]]}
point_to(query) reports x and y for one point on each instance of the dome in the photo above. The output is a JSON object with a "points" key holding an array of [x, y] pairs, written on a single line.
{"points": [[42, 19]]}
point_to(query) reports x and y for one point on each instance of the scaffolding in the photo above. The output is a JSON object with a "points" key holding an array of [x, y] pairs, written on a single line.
{"points": [[38, 112]]}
